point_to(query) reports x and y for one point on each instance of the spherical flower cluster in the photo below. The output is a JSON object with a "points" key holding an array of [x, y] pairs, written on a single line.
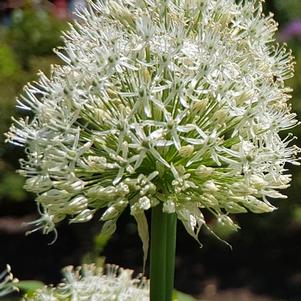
{"points": [[178, 102], [91, 283], [7, 282]]}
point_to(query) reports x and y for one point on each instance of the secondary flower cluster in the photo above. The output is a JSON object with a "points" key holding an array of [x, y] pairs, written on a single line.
{"points": [[176, 102], [91, 283]]}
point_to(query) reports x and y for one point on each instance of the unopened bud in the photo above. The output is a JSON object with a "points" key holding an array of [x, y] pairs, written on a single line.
{"points": [[186, 151], [199, 106], [204, 171], [221, 115], [210, 186]]}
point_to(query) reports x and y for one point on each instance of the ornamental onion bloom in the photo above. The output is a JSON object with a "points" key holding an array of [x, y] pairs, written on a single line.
{"points": [[177, 102], [91, 283], [7, 282]]}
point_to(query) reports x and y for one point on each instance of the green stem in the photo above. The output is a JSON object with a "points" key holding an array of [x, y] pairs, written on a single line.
{"points": [[162, 254], [158, 255], [170, 254]]}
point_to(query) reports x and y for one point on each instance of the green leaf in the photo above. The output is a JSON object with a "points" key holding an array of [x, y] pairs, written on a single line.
{"points": [[29, 286], [179, 296]]}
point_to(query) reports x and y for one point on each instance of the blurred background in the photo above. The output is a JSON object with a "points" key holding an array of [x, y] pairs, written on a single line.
{"points": [[264, 263]]}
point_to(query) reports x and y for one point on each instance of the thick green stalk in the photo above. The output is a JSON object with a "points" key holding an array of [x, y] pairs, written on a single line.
{"points": [[162, 254], [170, 254], [158, 255]]}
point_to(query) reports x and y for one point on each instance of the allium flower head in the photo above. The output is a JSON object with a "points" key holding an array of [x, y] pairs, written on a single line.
{"points": [[7, 282], [180, 102], [92, 283]]}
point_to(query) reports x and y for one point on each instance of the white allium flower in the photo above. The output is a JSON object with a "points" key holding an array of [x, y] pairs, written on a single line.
{"points": [[180, 102], [91, 283], [7, 282]]}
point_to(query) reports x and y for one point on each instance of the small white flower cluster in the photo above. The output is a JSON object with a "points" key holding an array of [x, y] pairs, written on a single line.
{"points": [[7, 282], [91, 283], [180, 102]]}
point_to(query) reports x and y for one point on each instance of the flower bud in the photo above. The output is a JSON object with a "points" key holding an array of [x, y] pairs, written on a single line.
{"points": [[186, 151], [199, 106], [204, 171], [169, 206], [210, 186]]}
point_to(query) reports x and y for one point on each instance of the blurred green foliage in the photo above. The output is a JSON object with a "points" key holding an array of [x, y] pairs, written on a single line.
{"points": [[100, 241], [26, 46], [33, 33], [8, 65], [287, 10], [29, 287], [179, 296], [284, 10]]}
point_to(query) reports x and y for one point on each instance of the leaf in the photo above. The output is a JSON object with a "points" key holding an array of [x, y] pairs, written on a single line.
{"points": [[29, 286], [179, 296]]}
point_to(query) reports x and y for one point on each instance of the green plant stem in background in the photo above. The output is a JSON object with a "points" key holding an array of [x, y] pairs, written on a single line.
{"points": [[162, 255]]}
